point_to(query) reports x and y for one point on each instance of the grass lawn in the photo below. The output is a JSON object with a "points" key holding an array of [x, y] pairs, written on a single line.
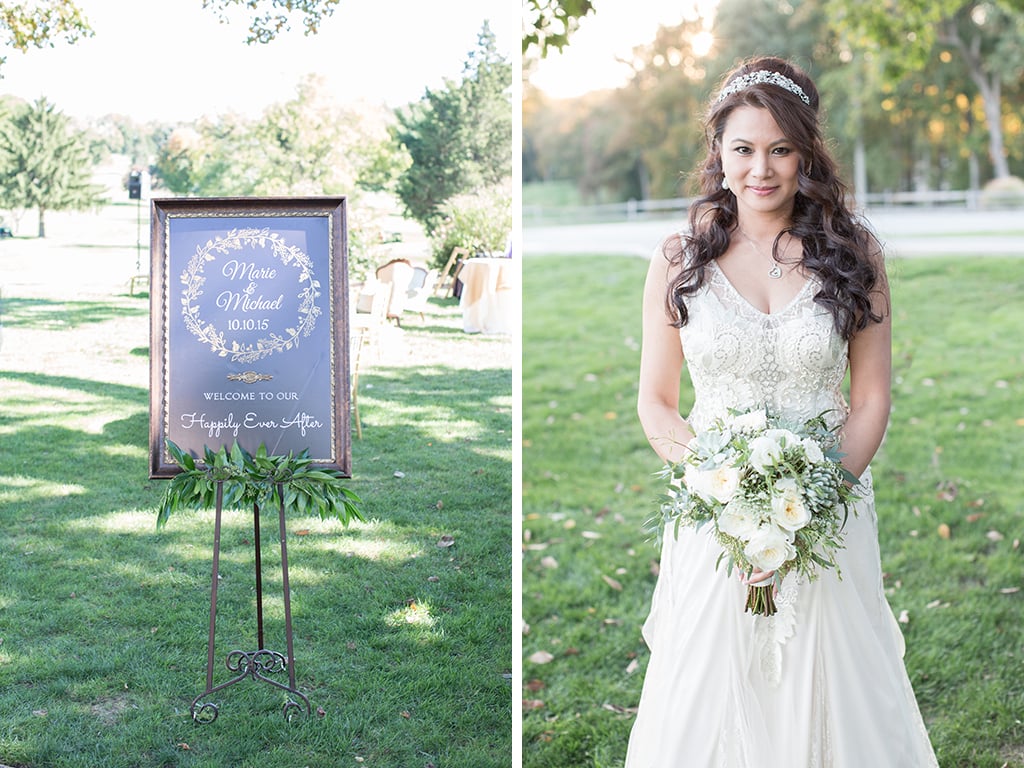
{"points": [[402, 646], [947, 483]]}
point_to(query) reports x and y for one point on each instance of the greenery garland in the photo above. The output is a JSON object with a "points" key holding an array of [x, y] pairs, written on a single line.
{"points": [[257, 479]]}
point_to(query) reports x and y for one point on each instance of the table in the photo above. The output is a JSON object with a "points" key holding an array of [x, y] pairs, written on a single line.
{"points": [[487, 295]]}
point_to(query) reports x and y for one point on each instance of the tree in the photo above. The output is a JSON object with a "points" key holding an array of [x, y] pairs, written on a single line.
{"points": [[44, 163], [275, 17], [459, 137], [36, 25], [985, 34], [548, 24], [40, 23]]}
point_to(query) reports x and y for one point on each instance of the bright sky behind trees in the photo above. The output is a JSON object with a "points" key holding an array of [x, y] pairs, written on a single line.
{"points": [[172, 60], [589, 62]]}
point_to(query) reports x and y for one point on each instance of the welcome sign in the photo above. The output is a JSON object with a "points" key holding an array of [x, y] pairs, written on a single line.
{"points": [[249, 328]]}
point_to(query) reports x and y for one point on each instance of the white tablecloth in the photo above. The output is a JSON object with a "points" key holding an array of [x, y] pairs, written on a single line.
{"points": [[487, 295]]}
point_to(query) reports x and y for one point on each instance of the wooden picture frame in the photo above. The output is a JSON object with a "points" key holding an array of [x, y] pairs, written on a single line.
{"points": [[249, 328]]}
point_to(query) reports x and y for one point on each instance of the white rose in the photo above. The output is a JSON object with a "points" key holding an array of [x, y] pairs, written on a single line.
{"points": [[754, 421], [788, 508], [718, 484], [769, 548], [766, 449], [812, 450], [739, 520]]}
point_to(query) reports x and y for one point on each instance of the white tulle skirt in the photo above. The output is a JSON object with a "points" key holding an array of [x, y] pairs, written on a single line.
{"points": [[819, 685]]}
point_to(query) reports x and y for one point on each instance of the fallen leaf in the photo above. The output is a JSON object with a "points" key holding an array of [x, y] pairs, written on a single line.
{"points": [[321, 712], [540, 657], [591, 535], [446, 541], [40, 712], [944, 532], [632, 667], [611, 415], [440, 504], [976, 503], [549, 562], [619, 710], [535, 685], [433, 579], [975, 517], [399, 474], [1009, 590], [904, 617], [303, 532], [406, 715], [994, 536], [531, 704], [182, 745], [612, 583]]}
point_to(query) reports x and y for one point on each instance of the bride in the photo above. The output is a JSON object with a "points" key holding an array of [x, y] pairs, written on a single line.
{"points": [[773, 294]]}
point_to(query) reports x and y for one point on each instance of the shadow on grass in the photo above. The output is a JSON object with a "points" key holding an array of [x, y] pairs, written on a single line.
{"points": [[402, 643], [44, 313]]}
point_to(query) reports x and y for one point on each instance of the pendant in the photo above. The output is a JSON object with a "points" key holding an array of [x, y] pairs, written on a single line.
{"points": [[775, 272]]}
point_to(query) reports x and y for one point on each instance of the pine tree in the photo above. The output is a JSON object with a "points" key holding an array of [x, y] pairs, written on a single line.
{"points": [[459, 137], [44, 163]]}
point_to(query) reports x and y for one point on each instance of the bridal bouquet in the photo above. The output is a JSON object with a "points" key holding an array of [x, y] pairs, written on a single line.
{"points": [[774, 495]]}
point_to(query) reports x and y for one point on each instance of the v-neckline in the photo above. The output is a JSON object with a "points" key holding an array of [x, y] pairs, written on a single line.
{"points": [[736, 292]]}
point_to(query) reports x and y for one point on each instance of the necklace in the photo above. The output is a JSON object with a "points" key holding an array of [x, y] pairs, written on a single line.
{"points": [[776, 271]]}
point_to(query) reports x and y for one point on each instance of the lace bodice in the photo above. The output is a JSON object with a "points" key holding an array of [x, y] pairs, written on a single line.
{"points": [[792, 361]]}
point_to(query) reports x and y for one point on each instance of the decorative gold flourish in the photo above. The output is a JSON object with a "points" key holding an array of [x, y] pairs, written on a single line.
{"points": [[249, 377], [193, 280]]}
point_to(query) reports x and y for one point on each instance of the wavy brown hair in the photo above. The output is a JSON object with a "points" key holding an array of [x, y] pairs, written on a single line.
{"points": [[838, 248]]}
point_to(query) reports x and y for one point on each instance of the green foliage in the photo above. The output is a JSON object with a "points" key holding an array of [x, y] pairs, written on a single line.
{"points": [[548, 24], [308, 145], [37, 24], [44, 163], [244, 480], [952, 456], [459, 138], [479, 221], [275, 16], [927, 126]]}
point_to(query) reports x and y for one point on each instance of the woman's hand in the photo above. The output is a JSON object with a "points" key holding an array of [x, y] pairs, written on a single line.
{"points": [[757, 578]]}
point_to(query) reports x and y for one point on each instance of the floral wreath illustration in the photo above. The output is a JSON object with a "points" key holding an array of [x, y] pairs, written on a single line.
{"points": [[193, 280]]}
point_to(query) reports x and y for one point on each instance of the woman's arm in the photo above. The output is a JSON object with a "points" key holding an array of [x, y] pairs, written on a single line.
{"points": [[870, 383], [661, 364]]}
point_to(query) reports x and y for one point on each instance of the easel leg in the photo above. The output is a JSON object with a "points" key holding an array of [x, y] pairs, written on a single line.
{"points": [[261, 662]]}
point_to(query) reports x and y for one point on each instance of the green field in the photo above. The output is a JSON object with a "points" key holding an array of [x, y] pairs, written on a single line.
{"points": [[947, 483]]}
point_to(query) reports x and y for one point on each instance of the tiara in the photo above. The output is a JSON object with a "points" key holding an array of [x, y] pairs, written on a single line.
{"points": [[762, 76]]}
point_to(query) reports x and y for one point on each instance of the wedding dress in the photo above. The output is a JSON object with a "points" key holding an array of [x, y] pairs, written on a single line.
{"points": [[821, 684]]}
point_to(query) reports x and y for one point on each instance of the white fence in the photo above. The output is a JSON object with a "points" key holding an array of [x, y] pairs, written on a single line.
{"points": [[636, 210]]}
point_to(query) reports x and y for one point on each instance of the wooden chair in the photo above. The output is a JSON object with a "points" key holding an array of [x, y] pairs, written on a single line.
{"points": [[397, 272], [447, 276], [365, 325]]}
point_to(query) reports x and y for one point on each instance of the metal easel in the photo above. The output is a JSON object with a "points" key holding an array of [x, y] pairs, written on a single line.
{"points": [[261, 662]]}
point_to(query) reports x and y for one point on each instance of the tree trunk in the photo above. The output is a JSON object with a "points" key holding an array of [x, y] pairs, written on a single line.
{"points": [[990, 87], [42, 224]]}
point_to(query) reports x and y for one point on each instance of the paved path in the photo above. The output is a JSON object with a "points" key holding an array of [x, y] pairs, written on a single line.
{"points": [[905, 232]]}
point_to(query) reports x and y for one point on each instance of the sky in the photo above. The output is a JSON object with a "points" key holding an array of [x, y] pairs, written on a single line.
{"points": [[174, 61], [589, 63]]}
